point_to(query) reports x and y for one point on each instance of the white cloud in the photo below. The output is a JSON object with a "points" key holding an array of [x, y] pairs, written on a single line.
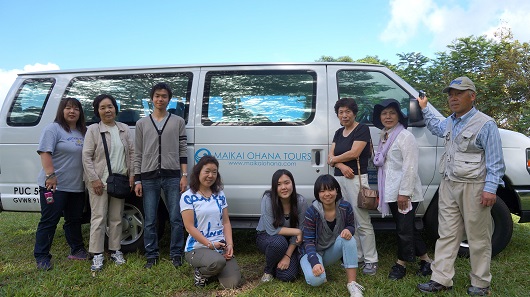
{"points": [[445, 21], [7, 77], [406, 16]]}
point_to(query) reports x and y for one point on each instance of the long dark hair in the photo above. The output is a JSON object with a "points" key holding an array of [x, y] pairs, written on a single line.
{"points": [[59, 116], [277, 208], [194, 178]]}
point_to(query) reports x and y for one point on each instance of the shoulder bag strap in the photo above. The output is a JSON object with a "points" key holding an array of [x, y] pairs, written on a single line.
{"points": [[106, 151], [359, 173]]}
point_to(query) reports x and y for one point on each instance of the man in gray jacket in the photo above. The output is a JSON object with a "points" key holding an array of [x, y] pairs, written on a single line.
{"points": [[160, 163]]}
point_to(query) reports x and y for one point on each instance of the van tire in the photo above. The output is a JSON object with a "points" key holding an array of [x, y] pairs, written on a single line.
{"points": [[133, 225], [502, 226]]}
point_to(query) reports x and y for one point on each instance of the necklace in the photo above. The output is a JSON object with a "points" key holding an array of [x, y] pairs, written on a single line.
{"points": [[202, 194], [346, 133]]}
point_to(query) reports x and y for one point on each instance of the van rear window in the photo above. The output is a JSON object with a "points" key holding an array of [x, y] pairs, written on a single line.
{"points": [[29, 102], [267, 98], [131, 93]]}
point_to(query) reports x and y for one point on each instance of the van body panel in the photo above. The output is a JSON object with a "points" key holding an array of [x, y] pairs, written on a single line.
{"points": [[254, 118]]}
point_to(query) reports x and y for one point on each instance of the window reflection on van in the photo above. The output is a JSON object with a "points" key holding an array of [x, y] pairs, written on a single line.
{"points": [[259, 97], [369, 88], [29, 102], [131, 93]]}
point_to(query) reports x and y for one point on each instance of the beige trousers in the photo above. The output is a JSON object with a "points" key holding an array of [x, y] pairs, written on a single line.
{"points": [[106, 212], [364, 230], [459, 210]]}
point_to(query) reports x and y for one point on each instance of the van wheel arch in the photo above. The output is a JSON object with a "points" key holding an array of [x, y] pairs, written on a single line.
{"points": [[502, 226]]}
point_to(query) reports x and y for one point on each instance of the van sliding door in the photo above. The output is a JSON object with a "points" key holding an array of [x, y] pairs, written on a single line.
{"points": [[256, 120]]}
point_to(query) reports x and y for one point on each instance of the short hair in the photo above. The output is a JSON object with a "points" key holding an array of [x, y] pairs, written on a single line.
{"points": [[161, 86], [346, 102], [327, 182], [196, 171], [59, 116], [98, 100]]}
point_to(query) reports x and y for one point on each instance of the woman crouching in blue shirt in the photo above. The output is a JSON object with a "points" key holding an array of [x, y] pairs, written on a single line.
{"points": [[279, 233], [210, 246], [328, 235]]}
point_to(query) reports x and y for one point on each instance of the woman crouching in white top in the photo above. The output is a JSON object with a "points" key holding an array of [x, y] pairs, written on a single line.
{"points": [[210, 246]]}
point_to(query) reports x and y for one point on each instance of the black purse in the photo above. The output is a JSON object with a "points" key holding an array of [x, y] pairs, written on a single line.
{"points": [[117, 184]]}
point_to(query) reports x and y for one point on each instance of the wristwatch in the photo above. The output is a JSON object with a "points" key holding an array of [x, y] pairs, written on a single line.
{"points": [[185, 174]]}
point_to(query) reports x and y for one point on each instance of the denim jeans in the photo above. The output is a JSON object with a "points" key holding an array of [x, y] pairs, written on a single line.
{"points": [[274, 247], [69, 204], [347, 249], [151, 189]]}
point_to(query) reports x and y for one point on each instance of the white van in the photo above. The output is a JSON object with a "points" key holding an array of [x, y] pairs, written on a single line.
{"points": [[255, 118]]}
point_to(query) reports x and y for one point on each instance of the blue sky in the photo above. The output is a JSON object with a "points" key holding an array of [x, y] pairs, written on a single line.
{"points": [[39, 35]]}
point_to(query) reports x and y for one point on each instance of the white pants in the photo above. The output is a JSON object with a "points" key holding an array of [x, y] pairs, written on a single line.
{"points": [[364, 230]]}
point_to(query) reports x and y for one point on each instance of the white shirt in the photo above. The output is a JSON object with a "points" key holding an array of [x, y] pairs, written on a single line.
{"points": [[401, 169], [207, 215]]}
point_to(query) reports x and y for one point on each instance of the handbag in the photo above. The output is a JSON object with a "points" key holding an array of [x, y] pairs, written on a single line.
{"points": [[117, 184], [367, 198]]}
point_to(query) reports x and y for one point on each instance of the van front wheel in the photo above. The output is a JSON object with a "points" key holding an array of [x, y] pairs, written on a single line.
{"points": [[132, 236], [502, 226]]}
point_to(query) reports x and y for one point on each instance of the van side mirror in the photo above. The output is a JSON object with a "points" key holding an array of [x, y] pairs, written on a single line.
{"points": [[415, 115]]}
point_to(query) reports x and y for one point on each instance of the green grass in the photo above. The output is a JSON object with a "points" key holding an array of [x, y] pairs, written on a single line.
{"points": [[19, 277]]}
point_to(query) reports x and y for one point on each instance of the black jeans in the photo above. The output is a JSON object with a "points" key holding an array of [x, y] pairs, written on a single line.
{"points": [[410, 242], [70, 205]]}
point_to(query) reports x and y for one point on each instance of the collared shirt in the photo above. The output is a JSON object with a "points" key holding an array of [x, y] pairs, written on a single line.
{"points": [[488, 139]]}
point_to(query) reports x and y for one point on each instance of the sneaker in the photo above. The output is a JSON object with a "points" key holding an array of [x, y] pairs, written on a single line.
{"points": [[397, 272], [355, 289], [370, 268], [425, 268], [266, 277], [198, 279], [97, 263], [150, 263], [433, 287], [117, 257], [472, 290], [80, 254], [44, 264], [177, 261], [360, 265]]}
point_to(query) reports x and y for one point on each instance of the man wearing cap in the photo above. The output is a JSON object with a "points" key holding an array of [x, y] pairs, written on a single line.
{"points": [[472, 167]]}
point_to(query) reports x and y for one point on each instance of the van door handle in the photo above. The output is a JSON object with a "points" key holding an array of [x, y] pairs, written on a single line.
{"points": [[317, 157]]}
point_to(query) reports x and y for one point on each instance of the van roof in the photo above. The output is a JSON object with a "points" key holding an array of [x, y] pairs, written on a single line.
{"points": [[191, 66]]}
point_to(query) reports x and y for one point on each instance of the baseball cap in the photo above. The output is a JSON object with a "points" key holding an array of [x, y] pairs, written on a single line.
{"points": [[460, 83]]}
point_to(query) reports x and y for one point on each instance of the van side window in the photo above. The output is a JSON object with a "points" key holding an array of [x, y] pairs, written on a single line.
{"points": [[131, 93], [369, 88], [267, 98], [29, 102]]}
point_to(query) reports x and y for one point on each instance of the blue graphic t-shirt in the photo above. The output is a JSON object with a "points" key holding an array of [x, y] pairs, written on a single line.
{"points": [[66, 149], [207, 216]]}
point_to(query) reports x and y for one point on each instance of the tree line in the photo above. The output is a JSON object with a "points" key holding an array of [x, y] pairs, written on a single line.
{"points": [[499, 67]]}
